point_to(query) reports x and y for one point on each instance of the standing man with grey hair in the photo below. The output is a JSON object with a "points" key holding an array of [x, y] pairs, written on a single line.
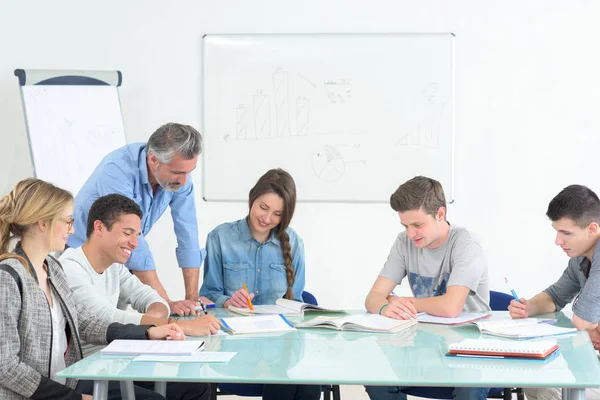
{"points": [[155, 175]]}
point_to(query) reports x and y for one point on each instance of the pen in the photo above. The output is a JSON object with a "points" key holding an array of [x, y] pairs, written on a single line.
{"points": [[248, 298], [203, 308], [512, 291]]}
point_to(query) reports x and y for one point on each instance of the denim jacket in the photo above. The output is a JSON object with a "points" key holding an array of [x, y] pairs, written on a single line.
{"points": [[234, 257]]}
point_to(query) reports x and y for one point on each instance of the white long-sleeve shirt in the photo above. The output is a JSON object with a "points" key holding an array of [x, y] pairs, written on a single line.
{"points": [[107, 295]]}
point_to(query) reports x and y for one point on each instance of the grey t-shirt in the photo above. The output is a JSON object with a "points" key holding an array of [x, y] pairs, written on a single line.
{"points": [[458, 262], [577, 281]]}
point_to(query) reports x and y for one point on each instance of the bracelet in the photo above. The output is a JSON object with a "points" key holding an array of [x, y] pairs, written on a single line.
{"points": [[148, 329], [172, 320], [381, 308]]}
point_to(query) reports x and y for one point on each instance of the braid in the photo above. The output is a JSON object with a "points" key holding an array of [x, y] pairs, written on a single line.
{"points": [[286, 249]]}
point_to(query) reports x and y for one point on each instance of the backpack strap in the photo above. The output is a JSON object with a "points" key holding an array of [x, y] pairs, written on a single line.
{"points": [[14, 274]]}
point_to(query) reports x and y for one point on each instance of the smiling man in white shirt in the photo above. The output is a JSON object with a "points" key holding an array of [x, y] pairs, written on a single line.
{"points": [[98, 277]]}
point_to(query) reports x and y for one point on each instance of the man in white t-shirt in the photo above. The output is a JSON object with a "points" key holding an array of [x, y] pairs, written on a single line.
{"points": [[99, 279], [445, 266]]}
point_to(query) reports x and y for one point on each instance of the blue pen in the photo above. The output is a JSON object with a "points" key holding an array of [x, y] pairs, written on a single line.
{"points": [[512, 291]]}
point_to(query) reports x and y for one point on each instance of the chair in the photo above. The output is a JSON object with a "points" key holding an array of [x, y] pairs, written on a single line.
{"points": [[498, 302], [255, 390]]}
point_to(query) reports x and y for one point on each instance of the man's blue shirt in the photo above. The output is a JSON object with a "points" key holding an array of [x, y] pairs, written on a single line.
{"points": [[234, 257], [124, 171]]}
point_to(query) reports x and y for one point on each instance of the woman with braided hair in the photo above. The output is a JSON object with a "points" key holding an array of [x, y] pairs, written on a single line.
{"points": [[263, 252]]}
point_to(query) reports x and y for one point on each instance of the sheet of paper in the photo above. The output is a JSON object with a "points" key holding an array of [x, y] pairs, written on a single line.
{"points": [[199, 357], [461, 319], [529, 331], [165, 347]]}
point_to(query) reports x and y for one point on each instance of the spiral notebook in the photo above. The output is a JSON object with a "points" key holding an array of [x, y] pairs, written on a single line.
{"points": [[541, 349]]}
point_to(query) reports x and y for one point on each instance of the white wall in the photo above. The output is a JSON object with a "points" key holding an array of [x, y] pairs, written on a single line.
{"points": [[526, 113]]}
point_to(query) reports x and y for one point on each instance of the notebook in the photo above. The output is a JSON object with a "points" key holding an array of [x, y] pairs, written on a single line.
{"points": [[526, 328], [503, 348], [152, 347], [463, 318], [256, 324], [360, 323], [283, 307]]}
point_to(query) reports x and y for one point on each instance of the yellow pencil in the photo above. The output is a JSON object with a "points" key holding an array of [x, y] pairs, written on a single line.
{"points": [[248, 298]]}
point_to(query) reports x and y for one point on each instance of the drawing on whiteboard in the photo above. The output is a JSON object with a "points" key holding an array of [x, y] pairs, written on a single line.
{"points": [[426, 132], [242, 121], [338, 91], [302, 115], [307, 80], [328, 165], [262, 116], [430, 91], [282, 105]]}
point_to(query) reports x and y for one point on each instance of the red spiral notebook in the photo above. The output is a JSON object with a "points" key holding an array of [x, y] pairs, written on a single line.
{"points": [[541, 349]]}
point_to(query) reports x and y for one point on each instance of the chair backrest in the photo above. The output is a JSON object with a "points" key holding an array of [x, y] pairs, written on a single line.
{"points": [[499, 301], [307, 297]]}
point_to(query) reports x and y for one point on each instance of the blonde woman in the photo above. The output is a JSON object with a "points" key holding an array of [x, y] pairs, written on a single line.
{"points": [[40, 323]]}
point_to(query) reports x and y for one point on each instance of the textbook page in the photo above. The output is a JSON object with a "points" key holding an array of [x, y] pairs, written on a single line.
{"points": [[360, 322], [282, 306]]}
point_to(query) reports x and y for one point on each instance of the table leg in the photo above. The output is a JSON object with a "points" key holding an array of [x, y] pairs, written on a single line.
{"points": [[161, 388], [127, 392], [573, 394], [100, 390]]}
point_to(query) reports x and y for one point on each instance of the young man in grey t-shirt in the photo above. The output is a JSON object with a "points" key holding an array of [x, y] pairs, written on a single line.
{"points": [[445, 266], [575, 215]]}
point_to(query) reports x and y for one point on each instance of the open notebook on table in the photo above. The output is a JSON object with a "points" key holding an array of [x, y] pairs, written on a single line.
{"points": [[360, 323], [122, 347], [497, 348], [463, 318], [282, 306], [256, 324], [526, 328]]}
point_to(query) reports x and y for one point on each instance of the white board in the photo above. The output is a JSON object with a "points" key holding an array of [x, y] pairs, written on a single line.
{"points": [[349, 116], [71, 128]]}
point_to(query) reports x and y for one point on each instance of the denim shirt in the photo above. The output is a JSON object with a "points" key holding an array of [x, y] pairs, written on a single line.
{"points": [[234, 257], [124, 171]]}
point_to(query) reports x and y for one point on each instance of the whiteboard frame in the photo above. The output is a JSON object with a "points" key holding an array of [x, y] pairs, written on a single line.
{"points": [[449, 194]]}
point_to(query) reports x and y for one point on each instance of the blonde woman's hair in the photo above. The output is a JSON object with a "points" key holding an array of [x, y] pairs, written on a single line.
{"points": [[31, 200]]}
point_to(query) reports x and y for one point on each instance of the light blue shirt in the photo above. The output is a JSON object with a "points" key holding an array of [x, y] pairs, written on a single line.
{"points": [[124, 171], [234, 257]]}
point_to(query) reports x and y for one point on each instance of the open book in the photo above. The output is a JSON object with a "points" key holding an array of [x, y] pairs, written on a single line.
{"points": [[526, 328], [284, 307], [360, 323], [503, 348], [256, 324], [152, 347]]}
